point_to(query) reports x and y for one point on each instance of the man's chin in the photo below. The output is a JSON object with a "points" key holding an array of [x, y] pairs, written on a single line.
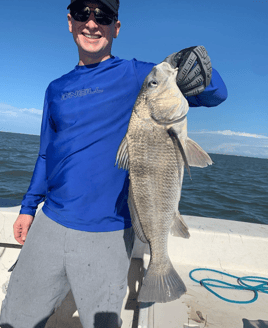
{"points": [[91, 57]]}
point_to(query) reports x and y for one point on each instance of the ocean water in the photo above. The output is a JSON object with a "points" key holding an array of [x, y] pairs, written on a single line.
{"points": [[233, 188]]}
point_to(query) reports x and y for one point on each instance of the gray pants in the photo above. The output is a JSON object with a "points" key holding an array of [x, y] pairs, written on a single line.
{"points": [[55, 259]]}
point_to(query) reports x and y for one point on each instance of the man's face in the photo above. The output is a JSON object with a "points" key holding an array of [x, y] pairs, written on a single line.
{"points": [[94, 40]]}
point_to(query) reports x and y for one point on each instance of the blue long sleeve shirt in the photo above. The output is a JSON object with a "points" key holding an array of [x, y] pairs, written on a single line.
{"points": [[85, 117]]}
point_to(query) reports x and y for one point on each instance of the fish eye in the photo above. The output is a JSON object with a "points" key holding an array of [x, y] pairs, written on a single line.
{"points": [[152, 84]]}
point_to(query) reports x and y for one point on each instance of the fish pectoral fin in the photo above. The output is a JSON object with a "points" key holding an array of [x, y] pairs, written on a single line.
{"points": [[122, 155], [196, 155], [135, 218], [178, 146], [179, 228]]}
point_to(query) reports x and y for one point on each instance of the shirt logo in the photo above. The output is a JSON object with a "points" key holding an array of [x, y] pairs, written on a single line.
{"points": [[80, 93]]}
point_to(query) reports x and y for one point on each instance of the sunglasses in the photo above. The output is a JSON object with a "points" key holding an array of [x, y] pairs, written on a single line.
{"points": [[82, 13]]}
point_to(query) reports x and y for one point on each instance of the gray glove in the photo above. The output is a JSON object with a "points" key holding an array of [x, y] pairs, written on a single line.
{"points": [[194, 69]]}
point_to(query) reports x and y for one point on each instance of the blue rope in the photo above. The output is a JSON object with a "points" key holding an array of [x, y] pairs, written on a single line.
{"points": [[242, 285]]}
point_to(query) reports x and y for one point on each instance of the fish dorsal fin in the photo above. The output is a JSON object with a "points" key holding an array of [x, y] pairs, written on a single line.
{"points": [[122, 155], [196, 156]]}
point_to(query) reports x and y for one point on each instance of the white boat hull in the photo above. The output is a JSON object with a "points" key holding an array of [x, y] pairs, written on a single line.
{"points": [[236, 248]]}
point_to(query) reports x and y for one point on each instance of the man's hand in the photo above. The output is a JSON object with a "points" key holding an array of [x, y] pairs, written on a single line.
{"points": [[194, 69], [21, 227]]}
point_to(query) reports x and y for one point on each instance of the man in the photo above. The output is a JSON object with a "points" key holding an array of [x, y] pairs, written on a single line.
{"points": [[82, 238]]}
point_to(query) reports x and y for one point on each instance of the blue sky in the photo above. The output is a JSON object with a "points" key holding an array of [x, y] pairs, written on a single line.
{"points": [[36, 48]]}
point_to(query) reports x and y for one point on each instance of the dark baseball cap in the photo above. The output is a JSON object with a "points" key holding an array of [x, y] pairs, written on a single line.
{"points": [[111, 4]]}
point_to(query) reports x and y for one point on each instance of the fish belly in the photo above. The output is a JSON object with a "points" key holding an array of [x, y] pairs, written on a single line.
{"points": [[155, 186], [155, 181]]}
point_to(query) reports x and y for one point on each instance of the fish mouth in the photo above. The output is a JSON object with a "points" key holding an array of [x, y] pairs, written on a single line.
{"points": [[171, 121]]}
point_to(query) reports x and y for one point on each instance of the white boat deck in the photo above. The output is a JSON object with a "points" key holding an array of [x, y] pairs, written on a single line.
{"points": [[237, 248]]}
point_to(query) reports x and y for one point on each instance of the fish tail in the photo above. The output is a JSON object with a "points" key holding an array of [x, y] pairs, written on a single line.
{"points": [[161, 287]]}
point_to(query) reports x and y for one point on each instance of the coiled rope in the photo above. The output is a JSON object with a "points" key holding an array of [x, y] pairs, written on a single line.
{"points": [[242, 285]]}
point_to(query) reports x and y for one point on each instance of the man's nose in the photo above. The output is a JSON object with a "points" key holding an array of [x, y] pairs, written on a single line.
{"points": [[91, 22]]}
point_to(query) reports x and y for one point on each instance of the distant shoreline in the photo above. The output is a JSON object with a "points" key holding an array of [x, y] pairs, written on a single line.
{"points": [[27, 134], [227, 154]]}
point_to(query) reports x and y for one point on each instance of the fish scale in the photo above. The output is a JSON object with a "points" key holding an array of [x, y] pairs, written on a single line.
{"points": [[155, 181], [154, 151]]}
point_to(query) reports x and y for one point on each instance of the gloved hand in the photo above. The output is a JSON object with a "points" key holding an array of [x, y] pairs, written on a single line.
{"points": [[194, 69]]}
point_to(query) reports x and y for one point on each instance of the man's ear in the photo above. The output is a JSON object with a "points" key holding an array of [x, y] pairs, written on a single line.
{"points": [[117, 26], [70, 23]]}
